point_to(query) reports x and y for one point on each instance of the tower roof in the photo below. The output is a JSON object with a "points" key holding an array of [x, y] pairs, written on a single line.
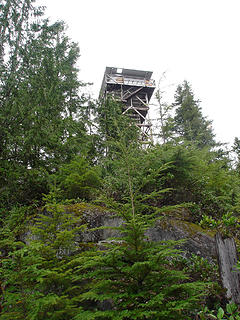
{"points": [[131, 73]]}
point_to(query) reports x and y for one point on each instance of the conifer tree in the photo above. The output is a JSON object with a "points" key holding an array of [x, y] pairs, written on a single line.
{"points": [[190, 124], [236, 150], [113, 125], [38, 277], [42, 115]]}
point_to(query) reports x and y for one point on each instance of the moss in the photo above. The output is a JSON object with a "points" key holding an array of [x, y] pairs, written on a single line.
{"points": [[193, 228], [190, 228], [80, 208], [180, 213]]}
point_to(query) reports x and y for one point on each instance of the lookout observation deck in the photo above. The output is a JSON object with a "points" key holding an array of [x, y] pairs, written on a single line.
{"points": [[134, 89]]}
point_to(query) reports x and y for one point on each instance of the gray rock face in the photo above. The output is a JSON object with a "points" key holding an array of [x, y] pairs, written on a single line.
{"points": [[197, 240], [96, 217]]}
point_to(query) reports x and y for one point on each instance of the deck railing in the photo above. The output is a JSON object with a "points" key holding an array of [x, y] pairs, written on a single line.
{"points": [[129, 81]]}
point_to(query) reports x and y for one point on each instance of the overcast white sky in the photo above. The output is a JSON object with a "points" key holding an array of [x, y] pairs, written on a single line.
{"points": [[196, 40]]}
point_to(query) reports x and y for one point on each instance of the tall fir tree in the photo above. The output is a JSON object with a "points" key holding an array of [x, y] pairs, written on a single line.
{"points": [[41, 109], [113, 125], [190, 125]]}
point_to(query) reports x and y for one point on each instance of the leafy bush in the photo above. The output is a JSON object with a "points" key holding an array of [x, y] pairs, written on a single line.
{"points": [[228, 224], [231, 313]]}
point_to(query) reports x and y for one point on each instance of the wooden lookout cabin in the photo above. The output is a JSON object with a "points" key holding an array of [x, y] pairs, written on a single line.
{"points": [[134, 88]]}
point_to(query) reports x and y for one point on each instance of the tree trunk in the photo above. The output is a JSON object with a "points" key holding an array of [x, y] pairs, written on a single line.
{"points": [[227, 260]]}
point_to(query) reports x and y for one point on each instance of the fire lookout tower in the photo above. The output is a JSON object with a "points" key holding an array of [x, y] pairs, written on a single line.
{"points": [[133, 88]]}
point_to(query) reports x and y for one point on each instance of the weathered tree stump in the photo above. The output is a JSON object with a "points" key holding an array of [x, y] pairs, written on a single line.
{"points": [[227, 260]]}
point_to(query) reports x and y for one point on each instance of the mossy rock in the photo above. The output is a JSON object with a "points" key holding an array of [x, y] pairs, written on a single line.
{"points": [[95, 217], [197, 240], [172, 226]]}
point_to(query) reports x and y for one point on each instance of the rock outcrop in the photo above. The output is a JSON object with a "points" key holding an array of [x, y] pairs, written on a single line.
{"points": [[169, 227]]}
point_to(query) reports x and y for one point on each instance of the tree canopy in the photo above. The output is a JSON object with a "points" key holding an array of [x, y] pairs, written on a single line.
{"points": [[41, 109], [189, 123]]}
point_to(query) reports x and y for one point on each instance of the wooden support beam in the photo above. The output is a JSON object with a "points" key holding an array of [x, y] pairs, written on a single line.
{"points": [[144, 103], [130, 107], [140, 108], [132, 93], [112, 79], [136, 110], [144, 125]]}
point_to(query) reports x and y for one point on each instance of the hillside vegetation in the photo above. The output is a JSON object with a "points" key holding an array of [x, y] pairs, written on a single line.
{"points": [[62, 152]]}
